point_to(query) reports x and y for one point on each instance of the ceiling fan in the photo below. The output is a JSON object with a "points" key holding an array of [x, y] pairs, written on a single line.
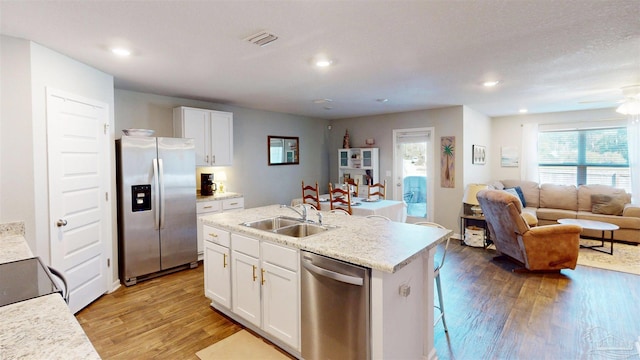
{"points": [[629, 104]]}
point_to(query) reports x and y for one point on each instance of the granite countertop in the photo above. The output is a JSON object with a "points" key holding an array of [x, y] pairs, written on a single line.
{"points": [[218, 196], [373, 243], [39, 328]]}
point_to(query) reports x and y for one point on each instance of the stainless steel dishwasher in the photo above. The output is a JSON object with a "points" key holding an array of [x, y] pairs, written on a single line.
{"points": [[335, 305]]}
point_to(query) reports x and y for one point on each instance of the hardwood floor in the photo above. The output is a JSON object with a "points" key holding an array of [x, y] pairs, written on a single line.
{"points": [[163, 318], [492, 313]]}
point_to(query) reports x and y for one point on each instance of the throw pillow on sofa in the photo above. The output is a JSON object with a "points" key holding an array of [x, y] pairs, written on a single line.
{"points": [[520, 194], [513, 192], [606, 205]]}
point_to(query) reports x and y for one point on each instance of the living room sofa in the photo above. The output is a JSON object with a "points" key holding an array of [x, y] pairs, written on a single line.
{"points": [[549, 202]]}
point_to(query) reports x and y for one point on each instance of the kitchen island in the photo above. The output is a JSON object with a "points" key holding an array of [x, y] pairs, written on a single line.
{"points": [[399, 255], [42, 327]]}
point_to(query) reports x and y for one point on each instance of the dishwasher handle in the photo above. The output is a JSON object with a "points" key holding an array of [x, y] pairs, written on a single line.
{"points": [[353, 280]]}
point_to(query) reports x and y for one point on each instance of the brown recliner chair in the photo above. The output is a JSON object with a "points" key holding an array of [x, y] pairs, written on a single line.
{"points": [[550, 247]]}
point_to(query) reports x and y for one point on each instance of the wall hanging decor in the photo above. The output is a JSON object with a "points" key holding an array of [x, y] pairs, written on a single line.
{"points": [[447, 161], [509, 156], [479, 154]]}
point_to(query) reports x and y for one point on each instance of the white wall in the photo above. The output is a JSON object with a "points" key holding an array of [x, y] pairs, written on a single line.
{"points": [[16, 142], [445, 121], [507, 131], [477, 131], [250, 174]]}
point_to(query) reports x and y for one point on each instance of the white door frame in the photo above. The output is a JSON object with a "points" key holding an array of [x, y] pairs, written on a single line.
{"points": [[430, 157]]}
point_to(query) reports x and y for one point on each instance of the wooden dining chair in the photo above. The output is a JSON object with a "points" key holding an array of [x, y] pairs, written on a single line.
{"points": [[436, 274], [377, 189], [355, 183], [340, 199], [311, 195]]}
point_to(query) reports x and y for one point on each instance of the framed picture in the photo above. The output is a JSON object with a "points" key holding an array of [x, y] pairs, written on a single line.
{"points": [[447, 161], [509, 156], [479, 154]]}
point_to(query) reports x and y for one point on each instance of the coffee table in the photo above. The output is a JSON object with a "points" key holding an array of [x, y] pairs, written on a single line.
{"points": [[594, 225]]}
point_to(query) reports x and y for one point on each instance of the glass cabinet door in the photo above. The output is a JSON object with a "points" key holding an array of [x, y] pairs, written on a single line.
{"points": [[367, 158], [344, 158]]}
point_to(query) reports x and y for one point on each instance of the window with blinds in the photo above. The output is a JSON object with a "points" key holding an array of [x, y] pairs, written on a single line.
{"points": [[585, 156]]}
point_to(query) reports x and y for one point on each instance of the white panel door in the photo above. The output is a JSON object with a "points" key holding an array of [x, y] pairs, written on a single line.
{"points": [[78, 162]]}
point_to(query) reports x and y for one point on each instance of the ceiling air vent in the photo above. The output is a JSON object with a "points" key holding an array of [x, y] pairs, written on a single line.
{"points": [[262, 38]]}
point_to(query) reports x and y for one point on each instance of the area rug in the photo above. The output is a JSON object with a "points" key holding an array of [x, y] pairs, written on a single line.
{"points": [[242, 346], [625, 258]]}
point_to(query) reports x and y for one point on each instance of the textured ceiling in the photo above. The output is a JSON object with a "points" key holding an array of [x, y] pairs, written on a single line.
{"points": [[548, 55]]}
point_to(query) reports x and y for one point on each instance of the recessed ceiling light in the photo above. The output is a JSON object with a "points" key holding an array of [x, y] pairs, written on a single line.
{"points": [[322, 101], [490, 83], [382, 100], [522, 111], [328, 107], [121, 52], [323, 62]]}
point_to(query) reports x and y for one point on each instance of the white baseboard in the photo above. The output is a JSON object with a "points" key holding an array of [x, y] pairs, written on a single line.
{"points": [[115, 286]]}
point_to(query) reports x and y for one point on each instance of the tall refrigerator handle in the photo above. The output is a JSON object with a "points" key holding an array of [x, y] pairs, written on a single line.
{"points": [[161, 171], [156, 198]]}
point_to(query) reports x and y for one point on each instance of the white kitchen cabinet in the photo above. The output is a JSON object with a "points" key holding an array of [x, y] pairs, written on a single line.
{"points": [[217, 266], [246, 278], [265, 287], [361, 164], [205, 208], [280, 293], [212, 131]]}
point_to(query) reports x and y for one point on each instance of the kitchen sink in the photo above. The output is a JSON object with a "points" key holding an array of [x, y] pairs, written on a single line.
{"points": [[301, 230], [283, 225], [272, 223]]}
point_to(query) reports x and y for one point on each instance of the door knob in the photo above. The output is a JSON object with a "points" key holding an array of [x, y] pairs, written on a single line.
{"points": [[61, 223]]}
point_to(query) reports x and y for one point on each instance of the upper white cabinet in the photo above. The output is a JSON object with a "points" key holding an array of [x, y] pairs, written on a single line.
{"points": [[212, 131], [361, 164]]}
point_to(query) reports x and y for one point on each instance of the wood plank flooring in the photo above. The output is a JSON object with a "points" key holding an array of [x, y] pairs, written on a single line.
{"points": [[492, 313]]}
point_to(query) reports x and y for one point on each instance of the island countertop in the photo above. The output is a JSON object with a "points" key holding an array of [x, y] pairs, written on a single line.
{"points": [[373, 243], [39, 328]]}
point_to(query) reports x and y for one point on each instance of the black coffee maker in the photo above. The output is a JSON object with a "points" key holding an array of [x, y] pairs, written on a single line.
{"points": [[207, 187]]}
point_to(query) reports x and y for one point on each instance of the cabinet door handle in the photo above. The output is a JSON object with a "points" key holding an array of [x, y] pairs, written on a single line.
{"points": [[213, 235], [254, 273], [206, 159], [213, 159], [208, 207], [224, 260], [262, 277], [234, 203]]}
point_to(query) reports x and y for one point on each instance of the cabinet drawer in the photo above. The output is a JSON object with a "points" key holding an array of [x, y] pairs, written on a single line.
{"points": [[216, 236], [279, 255], [245, 245], [208, 206], [235, 203]]}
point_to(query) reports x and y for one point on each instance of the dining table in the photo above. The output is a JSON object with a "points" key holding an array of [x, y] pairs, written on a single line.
{"points": [[394, 210]]}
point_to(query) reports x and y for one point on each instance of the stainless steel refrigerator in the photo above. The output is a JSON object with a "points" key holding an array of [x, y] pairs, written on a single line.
{"points": [[156, 206]]}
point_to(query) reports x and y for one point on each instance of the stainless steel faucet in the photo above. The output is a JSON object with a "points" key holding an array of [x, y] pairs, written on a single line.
{"points": [[303, 213]]}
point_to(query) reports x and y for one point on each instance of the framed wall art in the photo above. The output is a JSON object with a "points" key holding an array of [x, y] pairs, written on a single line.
{"points": [[447, 161], [479, 154], [509, 156]]}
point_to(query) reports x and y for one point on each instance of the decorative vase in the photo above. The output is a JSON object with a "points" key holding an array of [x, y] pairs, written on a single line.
{"points": [[345, 140]]}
